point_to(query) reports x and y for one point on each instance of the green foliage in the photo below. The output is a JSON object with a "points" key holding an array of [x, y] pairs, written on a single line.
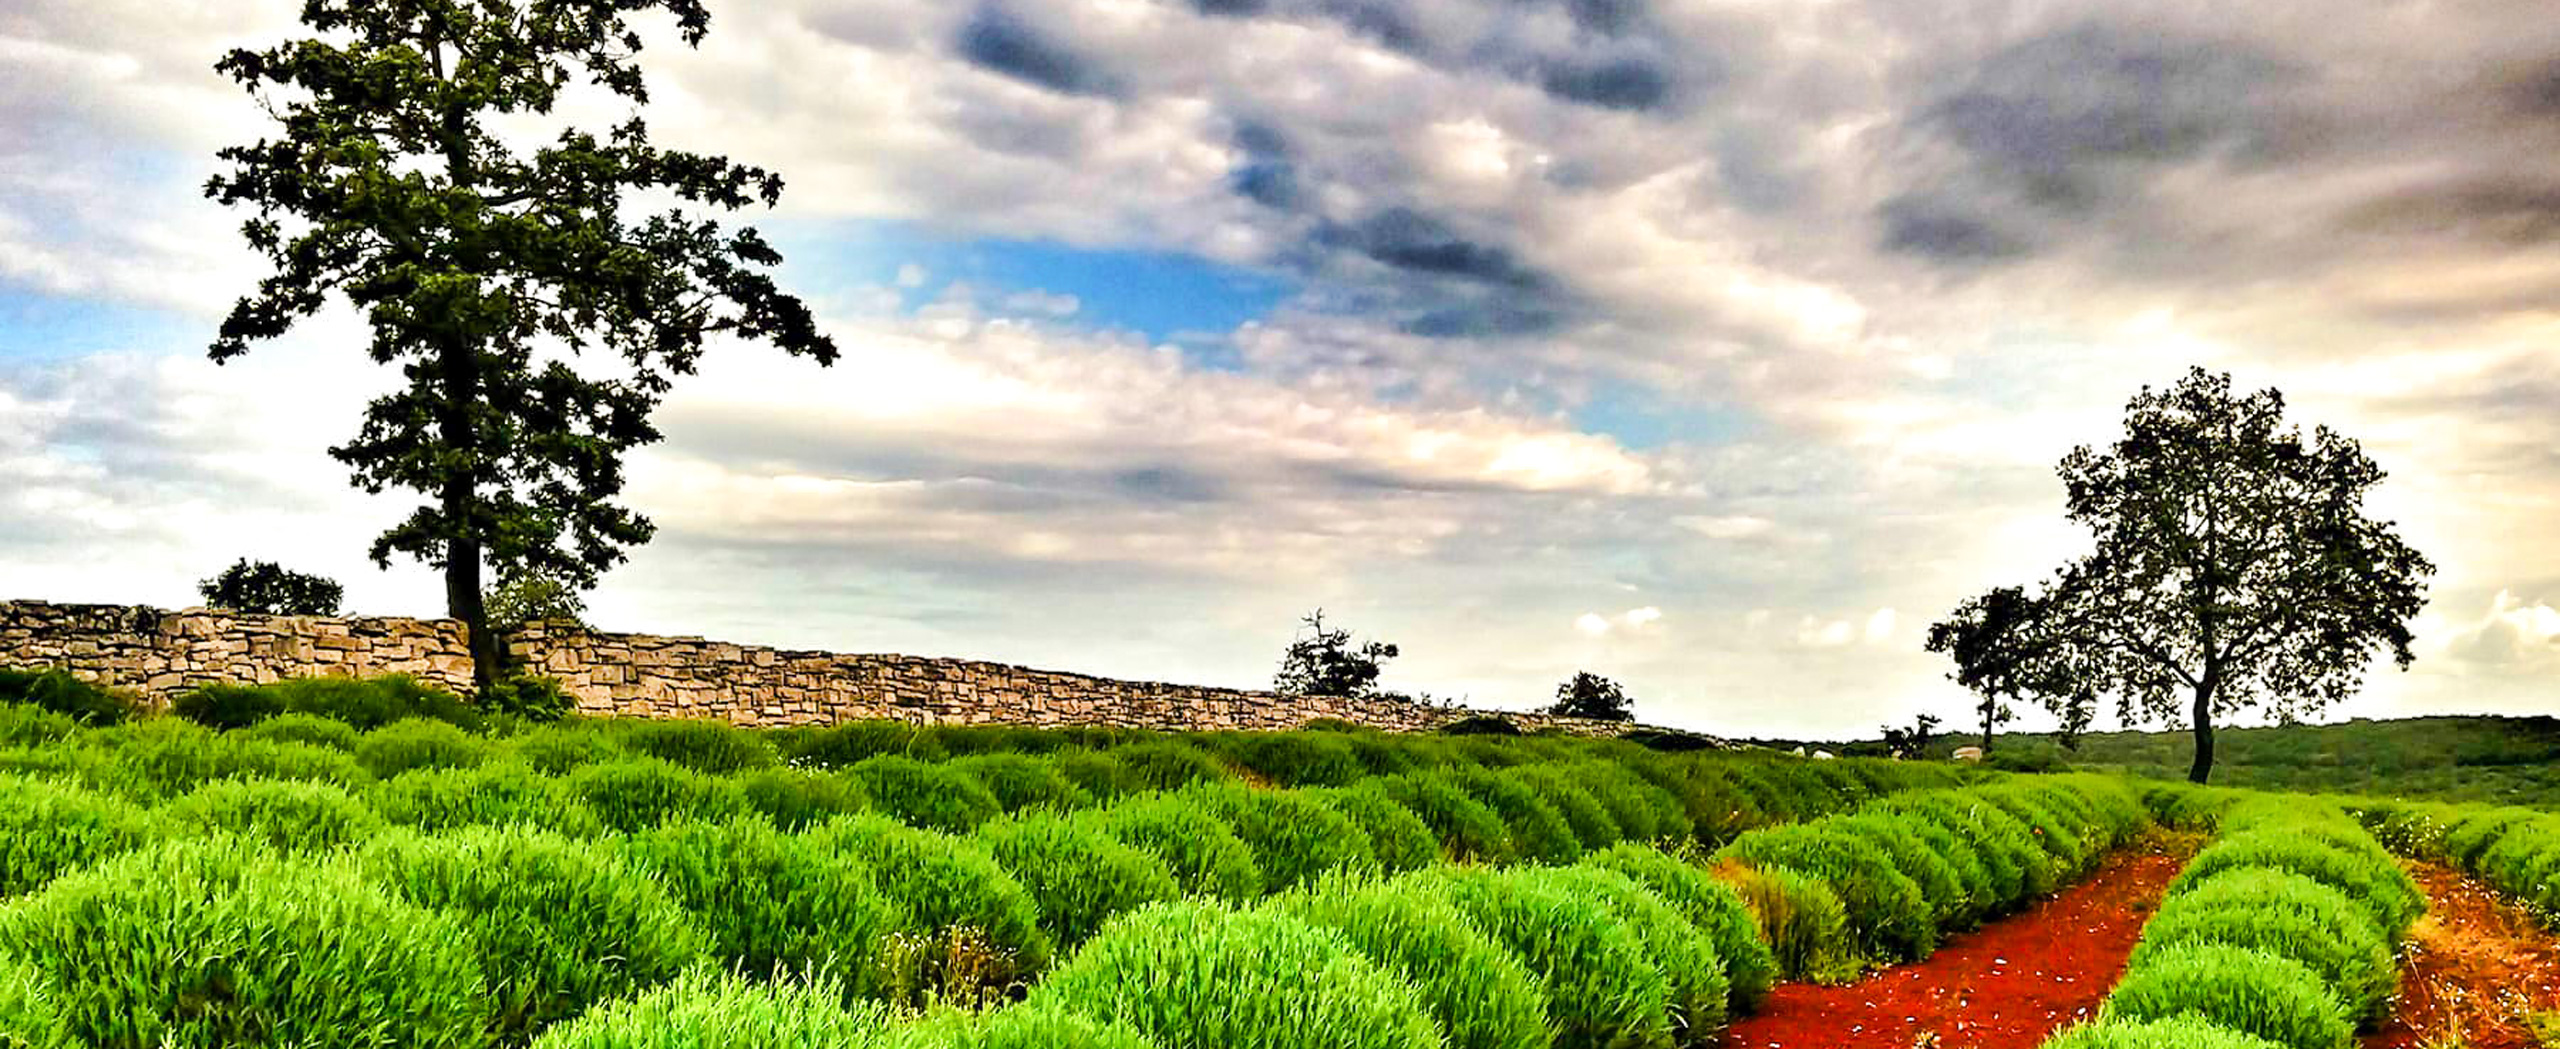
{"points": [[1398, 838], [418, 743], [2371, 879], [706, 1011], [30, 1018], [716, 747], [2177, 1032], [1593, 827], [1899, 841], [1096, 772], [559, 749], [2281, 913], [305, 728], [48, 829], [770, 904], [491, 795], [284, 815], [367, 704], [1480, 993], [1537, 829], [1021, 781], [2018, 867], [1588, 695], [936, 797], [1294, 838], [558, 925], [797, 799], [951, 891], [1194, 975], [530, 697], [638, 793], [58, 691], [1601, 987], [216, 944], [841, 745], [1468, 830], [1296, 759], [1016, 1027], [2272, 997], [1201, 852], [161, 758], [1679, 950], [1642, 811], [1888, 916], [2489, 760], [28, 725], [216, 704], [524, 596], [1078, 875], [1713, 907], [1168, 764], [266, 588], [1323, 662]]}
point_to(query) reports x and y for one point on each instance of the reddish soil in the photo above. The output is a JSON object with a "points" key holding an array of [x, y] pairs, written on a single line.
{"points": [[2478, 969], [2006, 985]]}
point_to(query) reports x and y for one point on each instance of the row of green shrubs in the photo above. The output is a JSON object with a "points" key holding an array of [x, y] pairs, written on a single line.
{"points": [[2281, 935], [2515, 850], [1887, 882]]}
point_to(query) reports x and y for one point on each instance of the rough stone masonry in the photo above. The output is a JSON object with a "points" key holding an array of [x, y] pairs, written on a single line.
{"points": [[159, 654]]}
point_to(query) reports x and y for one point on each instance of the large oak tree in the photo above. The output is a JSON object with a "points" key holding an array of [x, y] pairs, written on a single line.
{"points": [[489, 271], [2234, 568]]}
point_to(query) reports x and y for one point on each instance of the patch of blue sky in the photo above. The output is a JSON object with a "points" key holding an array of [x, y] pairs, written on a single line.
{"points": [[1642, 419], [1166, 296], [39, 326]]}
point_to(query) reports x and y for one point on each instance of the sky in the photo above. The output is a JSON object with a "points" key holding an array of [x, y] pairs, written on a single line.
{"points": [[1714, 346]]}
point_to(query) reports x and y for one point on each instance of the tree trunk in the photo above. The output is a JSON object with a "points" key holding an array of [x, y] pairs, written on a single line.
{"points": [[463, 601], [2203, 767], [462, 597], [1987, 714]]}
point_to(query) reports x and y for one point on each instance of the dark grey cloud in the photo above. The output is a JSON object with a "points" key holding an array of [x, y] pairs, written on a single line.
{"points": [[2506, 210], [1267, 176], [1622, 82], [1946, 230], [1230, 8], [994, 38], [1410, 240]]}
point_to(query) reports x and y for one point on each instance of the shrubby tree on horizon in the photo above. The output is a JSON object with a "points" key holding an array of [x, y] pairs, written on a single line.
{"points": [[485, 270], [267, 588], [1323, 662], [2234, 569], [1588, 695]]}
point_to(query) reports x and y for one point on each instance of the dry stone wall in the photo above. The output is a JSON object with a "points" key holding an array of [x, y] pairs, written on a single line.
{"points": [[159, 654]]}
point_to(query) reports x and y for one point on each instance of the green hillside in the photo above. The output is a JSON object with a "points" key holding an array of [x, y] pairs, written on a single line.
{"points": [[2501, 759]]}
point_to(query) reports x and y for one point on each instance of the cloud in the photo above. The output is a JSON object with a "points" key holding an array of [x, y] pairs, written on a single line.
{"points": [[998, 40], [1632, 621]]}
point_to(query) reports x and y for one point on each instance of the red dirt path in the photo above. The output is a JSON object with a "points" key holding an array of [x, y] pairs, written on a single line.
{"points": [[2478, 968], [2006, 985]]}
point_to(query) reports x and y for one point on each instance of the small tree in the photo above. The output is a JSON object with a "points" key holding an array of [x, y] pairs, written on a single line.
{"points": [[1323, 662], [1588, 695], [485, 268], [2234, 568], [525, 596], [1911, 742], [2006, 650], [266, 588]]}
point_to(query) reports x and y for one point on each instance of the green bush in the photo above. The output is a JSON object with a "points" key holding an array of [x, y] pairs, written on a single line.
{"points": [[1203, 854], [2285, 914], [305, 728], [529, 697], [48, 829], [1398, 838], [557, 750], [1642, 811], [162, 758], [1888, 916], [955, 897], [216, 944], [558, 925], [1016, 1027], [287, 816], [1912, 846], [935, 797], [490, 795], [1097, 773], [957, 740], [772, 904], [797, 799], [28, 725], [2272, 997], [1078, 875], [221, 705], [1712, 906], [841, 745], [2178, 1032], [1297, 759], [366, 704], [1800, 918], [59, 692], [2019, 868], [1678, 949], [1021, 781], [1168, 765], [1600, 986], [1480, 993], [1592, 825], [1194, 975], [1294, 838], [1537, 829], [638, 793], [2376, 883], [30, 1018], [706, 1011], [2070, 854], [418, 743], [1468, 830], [715, 747]]}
